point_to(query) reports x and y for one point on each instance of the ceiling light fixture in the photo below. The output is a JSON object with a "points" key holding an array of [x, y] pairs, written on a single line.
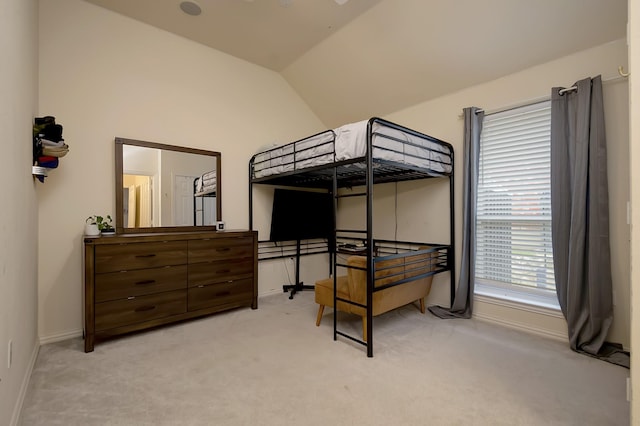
{"points": [[341, 2], [190, 8]]}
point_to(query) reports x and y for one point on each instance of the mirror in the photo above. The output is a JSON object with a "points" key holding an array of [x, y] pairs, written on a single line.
{"points": [[165, 188]]}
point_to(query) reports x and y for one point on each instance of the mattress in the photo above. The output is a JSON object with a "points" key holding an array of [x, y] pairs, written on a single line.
{"points": [[350, 142], [312, 151], [206, 183]]}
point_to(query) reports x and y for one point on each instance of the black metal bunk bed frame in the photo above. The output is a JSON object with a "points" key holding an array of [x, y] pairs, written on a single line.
{"points": [[200, 195], [342, 174]]}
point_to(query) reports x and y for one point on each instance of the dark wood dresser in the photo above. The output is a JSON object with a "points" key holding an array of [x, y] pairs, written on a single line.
{"points": [[136, 281]]}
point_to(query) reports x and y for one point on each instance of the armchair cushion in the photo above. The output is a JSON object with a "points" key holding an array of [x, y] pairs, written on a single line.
{"points": [[324, 291]]}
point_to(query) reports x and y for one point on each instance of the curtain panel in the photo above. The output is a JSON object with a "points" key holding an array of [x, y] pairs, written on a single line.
{"points": [[580, 214], [463, 302]]}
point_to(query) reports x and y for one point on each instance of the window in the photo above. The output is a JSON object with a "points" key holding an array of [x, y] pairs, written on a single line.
{"points": [[514, 258]]}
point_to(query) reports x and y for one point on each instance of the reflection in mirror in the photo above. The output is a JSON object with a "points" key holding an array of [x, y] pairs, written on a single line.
{"points": [[163, 187]]}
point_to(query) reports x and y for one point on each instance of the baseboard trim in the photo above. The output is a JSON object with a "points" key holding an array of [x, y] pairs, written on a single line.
{"points": [[17, 409], [559, 335], [550, 332], [544, 332], [555, 334], [59, 337], [519, 306], [270, 293]]}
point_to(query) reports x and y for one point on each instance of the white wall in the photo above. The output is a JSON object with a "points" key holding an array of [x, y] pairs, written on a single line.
{"points": [[634, 159], [440, 118], [19, 211], [103, 75], [172, 165], [123, 78]]}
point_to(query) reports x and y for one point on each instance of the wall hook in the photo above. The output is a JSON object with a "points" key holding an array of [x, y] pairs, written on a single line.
{"points": [[622, 73]]}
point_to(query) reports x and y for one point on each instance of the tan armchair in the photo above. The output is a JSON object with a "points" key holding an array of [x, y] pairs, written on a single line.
{"points": [[353, 286]]}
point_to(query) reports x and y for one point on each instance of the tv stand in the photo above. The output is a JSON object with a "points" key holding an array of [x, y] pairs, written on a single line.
{"points": [[299, 285], [294, 288]]}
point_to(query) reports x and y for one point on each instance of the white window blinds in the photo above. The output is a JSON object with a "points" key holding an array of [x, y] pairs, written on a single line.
{"points": [[514, 201]]}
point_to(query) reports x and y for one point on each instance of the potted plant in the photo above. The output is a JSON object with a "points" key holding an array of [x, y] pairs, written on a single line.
{"points": [[95, 225], [91, 227], [105, 225]]}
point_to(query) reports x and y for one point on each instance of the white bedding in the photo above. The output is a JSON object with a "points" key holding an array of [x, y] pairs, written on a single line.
{"points": [[308, 152], [351, 142], [206, 183]]}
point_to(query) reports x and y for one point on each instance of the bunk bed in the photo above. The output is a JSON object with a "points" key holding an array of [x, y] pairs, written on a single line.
{"points": [[204, 186], [359, 155]]}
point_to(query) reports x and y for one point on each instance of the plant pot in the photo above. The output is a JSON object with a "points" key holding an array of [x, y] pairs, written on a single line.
{"points": [[91, 230]]}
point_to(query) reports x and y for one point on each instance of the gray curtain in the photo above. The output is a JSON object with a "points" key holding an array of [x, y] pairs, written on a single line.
{"points": [[463, 303], [580, 215]]}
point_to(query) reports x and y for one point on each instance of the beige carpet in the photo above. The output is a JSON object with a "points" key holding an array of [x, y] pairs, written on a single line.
{"points": [[273, 366]]}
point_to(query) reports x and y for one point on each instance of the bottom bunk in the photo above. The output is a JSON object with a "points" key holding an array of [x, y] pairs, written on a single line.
{"points": [[402, 274]]}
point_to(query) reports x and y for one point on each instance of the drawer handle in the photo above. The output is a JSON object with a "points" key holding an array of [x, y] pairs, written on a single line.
{"points": [[145, 255], [224, 249], [223, 293], [223, 271], [145, 308], [145, 282]]}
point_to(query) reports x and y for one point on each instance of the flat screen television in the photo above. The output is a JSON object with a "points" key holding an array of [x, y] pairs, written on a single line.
{"points": [[301, 215]]}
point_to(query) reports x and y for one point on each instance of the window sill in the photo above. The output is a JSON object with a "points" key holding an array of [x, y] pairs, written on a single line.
{"points": [[532, 302]]}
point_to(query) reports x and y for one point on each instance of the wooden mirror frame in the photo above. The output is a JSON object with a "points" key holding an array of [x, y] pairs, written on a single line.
{"points": [[120, 229]]}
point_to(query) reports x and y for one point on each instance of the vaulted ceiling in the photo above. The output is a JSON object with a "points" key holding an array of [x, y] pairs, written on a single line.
{"points": [[371, 57]]}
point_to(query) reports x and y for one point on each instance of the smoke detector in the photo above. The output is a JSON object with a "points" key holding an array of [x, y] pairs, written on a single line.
{"points": [[190, 8]]}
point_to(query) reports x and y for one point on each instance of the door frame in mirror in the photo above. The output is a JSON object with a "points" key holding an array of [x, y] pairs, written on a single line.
{"points": [[119, 168]]}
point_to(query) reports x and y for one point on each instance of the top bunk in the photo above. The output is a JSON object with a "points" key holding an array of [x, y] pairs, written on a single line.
{"points": [[397, 154], [206, 185]]}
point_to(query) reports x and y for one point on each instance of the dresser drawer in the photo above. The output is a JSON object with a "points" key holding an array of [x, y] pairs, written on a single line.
{"points": [[133, 282], [123, 312], [128, 256], [123, 284], [219, 249], [219, 271], [219, 294]]}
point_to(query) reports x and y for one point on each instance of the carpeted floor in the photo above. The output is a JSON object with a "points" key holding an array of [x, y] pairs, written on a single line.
{"points": [[273, 366]]}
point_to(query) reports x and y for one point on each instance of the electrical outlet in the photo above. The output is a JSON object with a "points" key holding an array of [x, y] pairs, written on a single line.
{"points": [[9, 353]]}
